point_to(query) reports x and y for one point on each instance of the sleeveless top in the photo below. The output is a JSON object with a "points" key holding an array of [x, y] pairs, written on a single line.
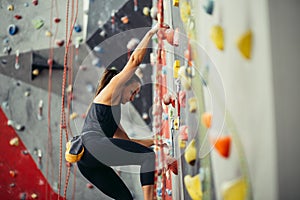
{"points": [[102, 119]]}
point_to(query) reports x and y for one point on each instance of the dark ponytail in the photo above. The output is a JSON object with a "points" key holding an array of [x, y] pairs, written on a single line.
{"points": [[107, 75]]}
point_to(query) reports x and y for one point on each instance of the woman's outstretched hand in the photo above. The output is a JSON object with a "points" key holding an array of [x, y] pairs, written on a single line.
{"points": [[158, 27]]}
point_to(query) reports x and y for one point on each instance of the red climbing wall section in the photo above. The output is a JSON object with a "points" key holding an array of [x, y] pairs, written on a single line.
{"points": [[20, 176]]}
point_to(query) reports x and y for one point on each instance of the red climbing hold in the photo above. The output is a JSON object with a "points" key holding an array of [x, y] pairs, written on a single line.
{"points": [[35, 2], [60, 43], [17, 17], [56, 20]]}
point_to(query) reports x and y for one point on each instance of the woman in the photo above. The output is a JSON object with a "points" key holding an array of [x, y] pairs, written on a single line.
{"points": [[106, 143]]}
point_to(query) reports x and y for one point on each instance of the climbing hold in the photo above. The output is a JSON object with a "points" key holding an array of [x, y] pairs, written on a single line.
{"points": [[4, 61], [102, 33], [12, 173], [48, 33], [12, 29], [176, 123], [186, 81], [27, 93], [135, 7], [10, 7], [26, 4], [60, 43], [89, 185], [146, 11], [35, 2], [185, 11], [6, 41], [169, 99], [23, 196], [73, 115], [193, 186], [98, 49], [14, 141], [145, 116], [217, 36], [12, 185], [153, 13], [193, 104], [133, 42], [40, 110], [236, 189], [209, 7], [35, 72], [222, 145], [172, 165], [18, 17], [170, 35], [77, 28], [244, 44], [82, 67], [50, 61], [57, 20], [190, 154], [96, 62], [176, 67], [90, 88], [176, 3], [34, 196], [7, 50], [169, 192], [182, 98], [206, 119], [176, 37], [183, 133], [125, 20], [37, 23], [69, 88]]}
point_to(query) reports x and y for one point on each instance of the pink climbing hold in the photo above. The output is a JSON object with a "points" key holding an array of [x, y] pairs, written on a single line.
{"points": [[50, 61], [35, 2]]}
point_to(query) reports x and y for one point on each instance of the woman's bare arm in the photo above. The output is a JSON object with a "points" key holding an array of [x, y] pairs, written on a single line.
{"points": [[135, 59], [121, 134]]}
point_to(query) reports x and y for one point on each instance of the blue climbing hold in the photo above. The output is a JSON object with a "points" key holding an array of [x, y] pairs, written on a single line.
{"points": [[77, 28], [209, 7], [12, 29]]}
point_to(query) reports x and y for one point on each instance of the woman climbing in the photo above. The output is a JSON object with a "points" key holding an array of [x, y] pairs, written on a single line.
{"points": [[106, 143]]}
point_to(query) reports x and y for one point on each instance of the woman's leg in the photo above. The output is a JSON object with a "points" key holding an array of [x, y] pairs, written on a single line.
{"points": [[119, 152], [106, 180]]}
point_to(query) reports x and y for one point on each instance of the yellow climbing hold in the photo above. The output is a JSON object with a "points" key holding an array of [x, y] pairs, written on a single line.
{"points": [[48, 33], [185, 11], [190, 154], [217, 36], [14, 141], [73, 115], [235, 189], [244, 44], [10, 7], [193, 186], [176, 67], [35, 72], [193, 104], [176, 3]]}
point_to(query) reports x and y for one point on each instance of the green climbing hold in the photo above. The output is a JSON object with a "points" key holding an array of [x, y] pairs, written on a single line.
{"points": [[38, 23]]}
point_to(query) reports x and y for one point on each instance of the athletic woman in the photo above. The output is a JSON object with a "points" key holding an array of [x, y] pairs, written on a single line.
{"points": [[106, 143]]}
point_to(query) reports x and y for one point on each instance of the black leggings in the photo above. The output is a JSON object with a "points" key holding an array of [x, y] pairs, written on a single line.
{"points": [[100, 153]]}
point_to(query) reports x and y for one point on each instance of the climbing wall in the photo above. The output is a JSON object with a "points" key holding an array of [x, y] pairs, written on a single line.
{"points": [[213, 67]]}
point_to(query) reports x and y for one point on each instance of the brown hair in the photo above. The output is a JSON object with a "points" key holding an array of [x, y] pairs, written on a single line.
{"points": [[108, 74]]}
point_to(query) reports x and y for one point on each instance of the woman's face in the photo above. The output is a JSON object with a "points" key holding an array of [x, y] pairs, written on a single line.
{"points": [[130, 91]]}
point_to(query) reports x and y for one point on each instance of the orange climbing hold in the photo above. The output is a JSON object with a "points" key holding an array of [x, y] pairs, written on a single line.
{"points": [[222, 145], [206, 119]]}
